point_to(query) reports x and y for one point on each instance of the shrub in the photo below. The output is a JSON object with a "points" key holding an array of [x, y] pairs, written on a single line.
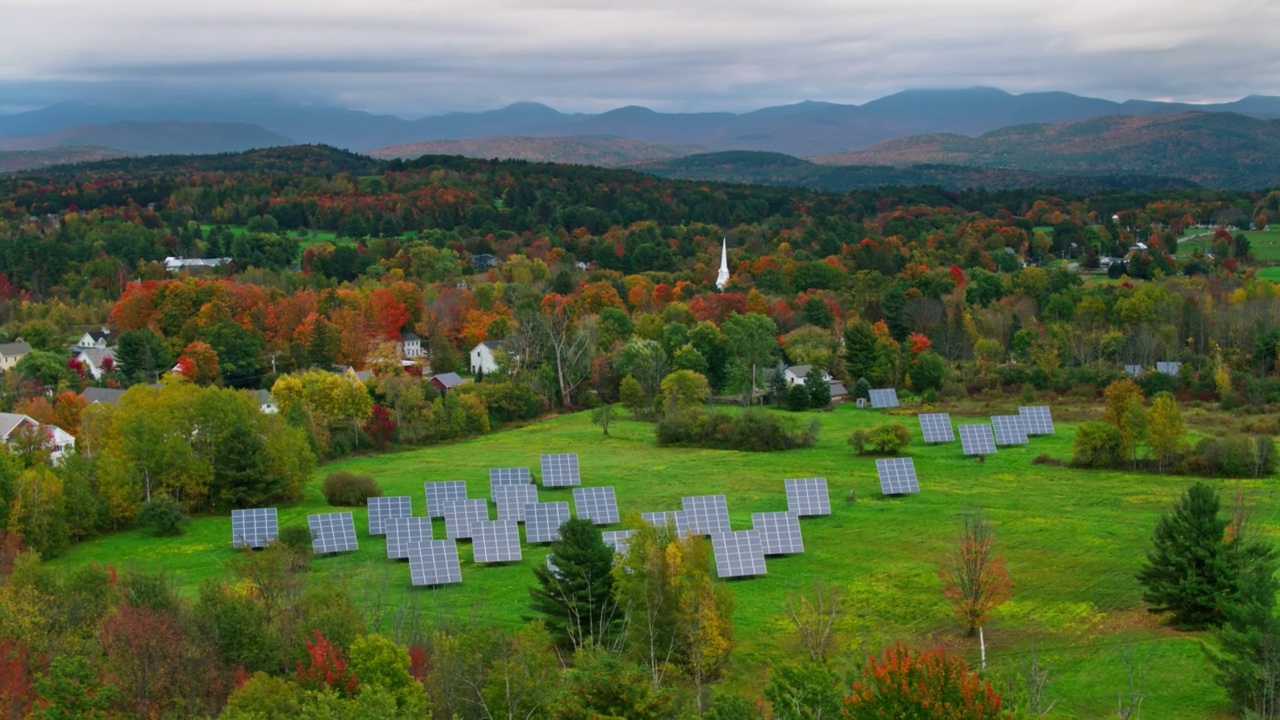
{"points": [[928, 685], [797, 398], [347, 489], [295, 537], [163, 517], [1237, 456], [887, 439], [750, 430], [507, 401], [1046, 459], [1097, 445]]}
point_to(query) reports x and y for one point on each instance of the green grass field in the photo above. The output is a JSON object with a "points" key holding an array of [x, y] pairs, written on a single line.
{"points": [[1264, 244], [313, 236], [1072, 540]]}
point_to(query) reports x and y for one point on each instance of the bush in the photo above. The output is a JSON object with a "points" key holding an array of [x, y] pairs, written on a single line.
{"points": [[1237, 456], [163, 517], [925, 685], [295, 537], [751, 430], [797, 398], [888, 439], [1097, 445], [1046, 459], [347, 489], [507, 401]]}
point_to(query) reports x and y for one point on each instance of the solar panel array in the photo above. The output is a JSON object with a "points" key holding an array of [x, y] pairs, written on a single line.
{"points": [[936, 427], [677, 519], [434, 562], [560, 470], [512, 499], [897, 476], [884, 398], [597, 504], [779, 532], [405, 531], [706, 514], [439, 493], [1133, 370], [460, 514], [494, 541], [382, 509], [618, 540], [542, 521], [1038, 419], [738, 554], [977, 440], [1009, 429], [332, 532], [807, 497], [255, 528], [1169, 368]]}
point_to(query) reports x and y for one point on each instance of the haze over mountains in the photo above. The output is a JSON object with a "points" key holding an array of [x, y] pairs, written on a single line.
{"points": [[833, 133]]}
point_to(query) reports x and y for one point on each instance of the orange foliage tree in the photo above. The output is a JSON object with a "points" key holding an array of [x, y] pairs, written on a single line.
{"points": [[926, 685], [975, 578]]}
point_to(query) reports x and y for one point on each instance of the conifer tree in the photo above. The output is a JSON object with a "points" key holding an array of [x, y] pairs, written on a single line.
{"points": [[1189, 571], [576, 598], [817, 388]]}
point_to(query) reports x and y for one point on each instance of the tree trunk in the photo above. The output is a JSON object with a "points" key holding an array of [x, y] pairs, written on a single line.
{"points": [[982, 649]]}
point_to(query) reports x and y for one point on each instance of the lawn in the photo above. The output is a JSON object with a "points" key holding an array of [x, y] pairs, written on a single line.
{"points": [[312, 236], [1264, 244], [1072, 540]]}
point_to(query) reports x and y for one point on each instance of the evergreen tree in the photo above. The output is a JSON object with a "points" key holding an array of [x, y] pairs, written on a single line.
{"points": [[860, 349], [778, 386], [862, 389], [1189, 570], [798, 397], [576, 599], [818, 389]]}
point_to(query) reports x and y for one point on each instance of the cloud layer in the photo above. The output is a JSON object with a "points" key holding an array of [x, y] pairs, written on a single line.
{"points": [[416, 57]]}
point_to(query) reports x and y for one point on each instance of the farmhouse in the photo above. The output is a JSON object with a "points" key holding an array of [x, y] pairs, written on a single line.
{"points": [[56, 440], [11, 353], [410, 346], [96, 361], [99, 339], [483, 359], [173, 264]]}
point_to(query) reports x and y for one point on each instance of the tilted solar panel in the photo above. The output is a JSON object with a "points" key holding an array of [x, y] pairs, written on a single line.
{"points": [[1009, 429], [677, 519], [738, 554], [977, 440], [560, 470], [542, 521], [494, 541], [332, 532], [254, 528], [618, 540], [460, 514], [707, 514], [512, 499], [405, 531], [383, 508], [439, 493], [597, 504], [434, 562], [808, 497], [936, 427], [897, 476], [1038, 419], [779, 532], [883, 398]]}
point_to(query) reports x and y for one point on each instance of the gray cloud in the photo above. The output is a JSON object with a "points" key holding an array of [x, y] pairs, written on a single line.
{"points": [[415, 57]]}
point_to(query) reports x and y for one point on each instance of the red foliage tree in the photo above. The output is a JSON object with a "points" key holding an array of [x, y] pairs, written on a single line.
{"points": [[419, 664], [380, 428], [388, 313], [144, 652], [928, 686], [326, 667], [17, 693]]}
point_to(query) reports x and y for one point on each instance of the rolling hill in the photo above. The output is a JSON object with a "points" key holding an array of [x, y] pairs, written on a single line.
{"points": [[14, 160], [1219, 150], [597, 150], [154, 138]]}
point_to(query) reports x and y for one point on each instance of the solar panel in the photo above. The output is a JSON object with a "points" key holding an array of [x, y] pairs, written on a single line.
{"points": [[738, 554], [1168, 368], [884, 398], [434, 562], [405, 531], [560, 470], [255, 528], [1133, 370], [707, 514], [1038, 419], [494, 541], [807, 497], [332, 532], [779, 532], [897, 476], [597, 504], [542, 521], [677, 519], [382, 509], [977, 440], [618, 540], [459, 514], [511, 500], [936, 427], [1009, 429], [509, 476], [439, 493]]}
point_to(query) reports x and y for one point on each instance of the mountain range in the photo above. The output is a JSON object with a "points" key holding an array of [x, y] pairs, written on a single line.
{"points": [[1053, 132]]}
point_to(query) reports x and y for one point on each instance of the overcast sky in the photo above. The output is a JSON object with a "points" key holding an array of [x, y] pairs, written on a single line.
{"points": [[419, 57]]}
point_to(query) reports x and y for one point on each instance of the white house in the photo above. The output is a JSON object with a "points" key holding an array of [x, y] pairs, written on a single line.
{"points": [[482, 357], [266, 403], [797, 373], [96, 361], [59, 442], [11, 353], [410, 346], [174, 264], [100, 339]]}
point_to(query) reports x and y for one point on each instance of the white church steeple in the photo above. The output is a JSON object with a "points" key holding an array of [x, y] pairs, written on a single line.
{"points": [[722, 278]]}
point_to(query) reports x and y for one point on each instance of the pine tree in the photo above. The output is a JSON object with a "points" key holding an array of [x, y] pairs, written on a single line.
{"points": [[818, 389], [576, 599], [860, 349], [1189, 570]]}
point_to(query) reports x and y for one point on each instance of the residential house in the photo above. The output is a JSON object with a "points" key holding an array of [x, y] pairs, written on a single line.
{"points": [[483, 359], [483, 261], [59, 442], [797, 373], [102, 396], [174, 264], [266, 403], [410, 346], [11, 353], [357, 375], [445, 381], [96, 361], [94, 339]]}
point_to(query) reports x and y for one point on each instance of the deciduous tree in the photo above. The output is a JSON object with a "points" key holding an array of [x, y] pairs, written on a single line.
{"points": [[975, 578], [929, 685]]}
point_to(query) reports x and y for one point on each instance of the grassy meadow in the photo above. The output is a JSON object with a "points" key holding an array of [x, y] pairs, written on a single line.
{"points": [[1072, 540], [1264, 244]]}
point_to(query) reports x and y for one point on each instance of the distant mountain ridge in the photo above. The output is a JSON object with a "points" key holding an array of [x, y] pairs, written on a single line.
{"points": [[1218, 150], [574, 150], [802, 129], [153, 138]]}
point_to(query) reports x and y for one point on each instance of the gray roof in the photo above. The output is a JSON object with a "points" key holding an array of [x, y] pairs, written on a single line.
{"points": [[10, 422], [104, 396], [494, 344], [800, 371], [363, 375], [18, 347], [263, 397], [838, 389], [95, 355], [449, 379], [408, 337]]}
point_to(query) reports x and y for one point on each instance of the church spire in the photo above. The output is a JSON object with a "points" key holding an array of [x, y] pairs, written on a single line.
{"points": [[722, 278]]}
